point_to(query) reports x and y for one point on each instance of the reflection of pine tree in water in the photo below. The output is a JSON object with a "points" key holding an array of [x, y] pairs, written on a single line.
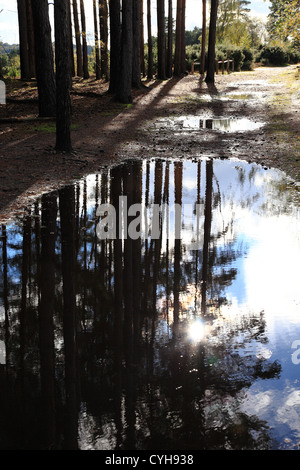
{"points": [[131, 366]]}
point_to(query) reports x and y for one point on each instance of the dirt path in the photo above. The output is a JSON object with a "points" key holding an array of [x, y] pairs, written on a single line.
{"points": [[105, 132]]}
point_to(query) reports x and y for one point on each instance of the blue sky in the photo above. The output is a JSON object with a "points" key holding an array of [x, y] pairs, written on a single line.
{"points": [[9, 19]]}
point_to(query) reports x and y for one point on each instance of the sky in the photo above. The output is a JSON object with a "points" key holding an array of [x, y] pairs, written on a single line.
{"points": [[9, 19]]}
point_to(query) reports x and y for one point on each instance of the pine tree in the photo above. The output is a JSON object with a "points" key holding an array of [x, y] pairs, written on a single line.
{"points": [[63, 77], [44, 58]]}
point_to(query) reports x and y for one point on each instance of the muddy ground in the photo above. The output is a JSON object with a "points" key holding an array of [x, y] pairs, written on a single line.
{"points": [[105, 132]]}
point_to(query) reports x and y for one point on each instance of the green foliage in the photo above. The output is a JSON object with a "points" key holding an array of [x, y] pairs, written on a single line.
{"points": [[273, 55], [248, 59], [193, 37], [284, 20], [193, 54], [10, 61], [224, 52]]}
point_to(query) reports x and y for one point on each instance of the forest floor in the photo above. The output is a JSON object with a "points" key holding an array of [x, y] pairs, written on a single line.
{"points": [[105, 132]]}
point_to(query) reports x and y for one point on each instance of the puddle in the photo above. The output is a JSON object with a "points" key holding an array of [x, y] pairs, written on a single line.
{"points": [[183, 334], [193, 123], [253, 96]]}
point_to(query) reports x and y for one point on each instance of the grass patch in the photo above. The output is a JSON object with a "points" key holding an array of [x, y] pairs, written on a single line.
{"points": [[50, 128]]}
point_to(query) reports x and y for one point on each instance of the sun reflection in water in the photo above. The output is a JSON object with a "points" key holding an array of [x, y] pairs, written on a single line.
{"points": [[196, 331]]}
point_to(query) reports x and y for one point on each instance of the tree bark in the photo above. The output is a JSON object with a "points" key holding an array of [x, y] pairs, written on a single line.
{"points": [[170, 41], [103, 17], [136, 58], [71, 37], [182, 46], [150, 46], [78, 41], [161, 40], [86, 74], [97, 47], [143, 68], [124, 89], [44, 59], [210, 76], [177, 61], [31, 44], [63, 77], [23, 39], [203, 43], [115, 44]]}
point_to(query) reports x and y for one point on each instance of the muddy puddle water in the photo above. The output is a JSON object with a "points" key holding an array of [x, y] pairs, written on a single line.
{"points": [[194, 123], [166, 319]]}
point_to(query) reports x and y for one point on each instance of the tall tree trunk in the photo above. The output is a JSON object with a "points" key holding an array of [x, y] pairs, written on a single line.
{"points": [[78, 41], [161, 40], [203, 43], [97, 47], [115, 44], [103, 16], [84, 42], [23, 39], [182, 46], [71, 37], [44, 58], [150, 46], [143, 69], [136, 58], [177, 62], [124, 89], [170, 41], [63, 77], [210, 76], [31, 45]]}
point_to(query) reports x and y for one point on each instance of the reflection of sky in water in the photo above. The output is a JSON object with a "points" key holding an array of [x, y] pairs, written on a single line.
{"points": [[256, 222], [193, 123], [266, 225]]}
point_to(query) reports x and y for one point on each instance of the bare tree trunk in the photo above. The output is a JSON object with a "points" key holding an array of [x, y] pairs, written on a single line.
{"points": [[103, 17], [63, 77], [182, 47], [86, 74], [161, 40], [115, 44], [150, 46], [97, 47], [23, 38], [143, 69], [136, 58], [170, 41], [44, 58], [31, 44], [78, 41], [203, 44], [124, 89], [210, 76], [177, 62], [71, 37]]}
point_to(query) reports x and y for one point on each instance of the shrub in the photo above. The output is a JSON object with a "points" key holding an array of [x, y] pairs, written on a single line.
{"points": [[224, 51], [294, 56], [273, 55], [248, 59]]}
